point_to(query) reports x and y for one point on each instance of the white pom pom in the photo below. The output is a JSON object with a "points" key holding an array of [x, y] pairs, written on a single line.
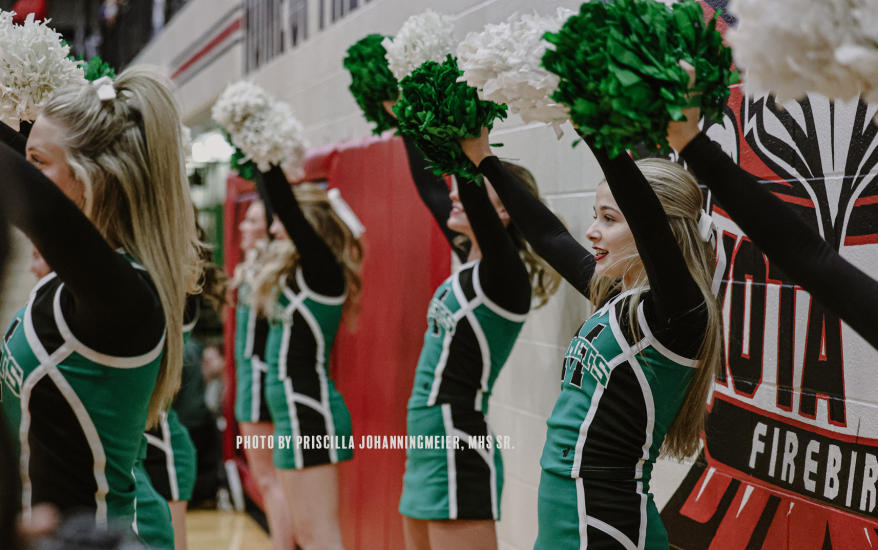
{"points": [[263, 128], [428, 36], [791, 47], [237, 103], [504, 63], [33, 64]]}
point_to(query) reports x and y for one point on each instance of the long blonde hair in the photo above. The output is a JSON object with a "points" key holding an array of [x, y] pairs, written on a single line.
{"points": [[127, 152], [544, 280], [214, 281], [282, 258], [682, 200]]}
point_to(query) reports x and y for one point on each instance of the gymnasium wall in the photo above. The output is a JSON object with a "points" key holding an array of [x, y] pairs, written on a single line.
{"points": [[789, 367]]}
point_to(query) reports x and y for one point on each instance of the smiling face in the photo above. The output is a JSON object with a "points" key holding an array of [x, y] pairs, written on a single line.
{"points": [[611, 238], [253, 227], [457, 220], [45, 150]]}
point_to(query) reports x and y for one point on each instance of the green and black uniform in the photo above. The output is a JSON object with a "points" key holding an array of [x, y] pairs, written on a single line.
{"points": [[621, 386], [251, 336], [80, 360], [473, 321], [301, 396], [166, 467], [170, 458]]}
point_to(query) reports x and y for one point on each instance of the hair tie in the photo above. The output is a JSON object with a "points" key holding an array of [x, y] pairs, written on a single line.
{"points": [[710, 234], [343, 211], [706, 227], [106, 90]]}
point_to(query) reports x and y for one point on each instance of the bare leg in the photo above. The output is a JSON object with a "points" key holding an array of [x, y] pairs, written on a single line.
{"points": [[417, 536], [455, 534], [262, 466], [312, 495], [178, 518]]}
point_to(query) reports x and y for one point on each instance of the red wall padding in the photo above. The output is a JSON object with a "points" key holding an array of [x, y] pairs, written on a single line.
{"points": [[406, 259]]}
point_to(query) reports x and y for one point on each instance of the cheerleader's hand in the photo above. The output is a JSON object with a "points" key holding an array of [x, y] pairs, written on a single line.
{"points": [[681, 133], [388, 106], [477, 149]]}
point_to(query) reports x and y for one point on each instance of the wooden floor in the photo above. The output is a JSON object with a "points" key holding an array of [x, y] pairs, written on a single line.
{"points": [[212, 530]]}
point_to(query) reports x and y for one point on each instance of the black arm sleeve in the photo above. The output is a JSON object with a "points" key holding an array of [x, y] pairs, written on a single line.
{"points": [[542, 229], [111, 301], [320, 268], [266, 204], [434, 193], [673, 291], [12, 138], [787, 240], [501, 272]]}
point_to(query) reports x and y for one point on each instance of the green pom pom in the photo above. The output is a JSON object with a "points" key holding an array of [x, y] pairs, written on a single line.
{"points": [[245, 169], [620, 72], [437, 111], [372, 81], [94, 68]]}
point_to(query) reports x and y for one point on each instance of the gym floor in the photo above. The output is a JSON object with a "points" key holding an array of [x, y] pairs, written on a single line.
{"points": [[213, 530]]}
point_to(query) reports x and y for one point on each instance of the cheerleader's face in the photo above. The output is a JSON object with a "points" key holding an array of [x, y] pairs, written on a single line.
{"points": [[45, 150], [38, 265], [253, 228], [457, 220], [278, 230], [611, 238]]}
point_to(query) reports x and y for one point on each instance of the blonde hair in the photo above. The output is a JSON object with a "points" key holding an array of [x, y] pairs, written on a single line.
{"points": [[214, 282], [544, 280], [127, 152], [682, 201], [281, 258]]}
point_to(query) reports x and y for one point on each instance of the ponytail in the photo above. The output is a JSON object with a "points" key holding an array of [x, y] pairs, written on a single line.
{"points": [[128, 153]]}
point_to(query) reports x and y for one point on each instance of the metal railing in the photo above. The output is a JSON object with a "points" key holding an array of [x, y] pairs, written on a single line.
{"points": [[265, 36], [273, 26]]}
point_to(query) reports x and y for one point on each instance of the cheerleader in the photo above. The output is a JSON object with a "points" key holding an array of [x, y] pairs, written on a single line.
{"points": [[473, 321], [171, 460], [251, 409], [637, 373], [305, 284], [799, 251], [105, 202]]}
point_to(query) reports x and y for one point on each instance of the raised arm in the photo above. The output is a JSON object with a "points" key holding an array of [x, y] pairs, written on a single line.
{"points": [[501, 272], [111, 299], [434, 193], [785, 238], [673, 291], [320, 268], [266, 204], [542, 229]]}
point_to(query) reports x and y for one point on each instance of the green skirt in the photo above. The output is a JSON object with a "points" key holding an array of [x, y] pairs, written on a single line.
{"points": [[597, 514]]}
